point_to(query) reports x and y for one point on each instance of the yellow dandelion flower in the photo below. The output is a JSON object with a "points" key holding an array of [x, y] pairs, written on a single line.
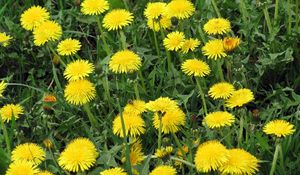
{"points": [[117, 19], [113, 171], [174, 40], [4, 39], [80, 92], [239, 162], [79, 155], [221, 90], [9, 111], [214, 49], [135, 107], [163, 170], [230, 43], [68, 47], [162, 104], [170, 120], [33, 17], [180, 9], [239, 98], [217, 26], [30, 152], [47, 31], [134, 125], [195, 67], [160, 153], [94, 7], [169, 149], [279, 128], [218, 119], [154, 10], [210, 156], [22, 168], [45, 173], [164, 23], [136, 154], [125, 61], [190, 45], [49, 98], [48, 143], [78, 70], [3, 86]]}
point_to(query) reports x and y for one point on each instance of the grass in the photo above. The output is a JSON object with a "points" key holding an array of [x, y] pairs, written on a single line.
{"points": [[267, 62]]}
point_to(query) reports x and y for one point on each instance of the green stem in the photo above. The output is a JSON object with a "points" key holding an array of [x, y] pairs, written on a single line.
{"points": [[289, 30], [7, 140], [220, 71], [281, 160], [90, 115], [127, 147], [202, 94], [267, 18], [183, 161], [155, 41], [214, 4], [275, 157], [167, 52], [54, 160], [106, 47], [276, 12], [106, 88], [54, 53], [240, 137], [179, 145], [25, 85], [136, 90]]}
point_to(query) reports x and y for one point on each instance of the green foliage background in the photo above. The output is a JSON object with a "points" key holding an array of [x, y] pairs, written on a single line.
{"points": [[268, 62]]}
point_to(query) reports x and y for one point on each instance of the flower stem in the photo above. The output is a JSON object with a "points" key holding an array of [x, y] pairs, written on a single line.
{"points": [[275, 157], [183, 161], [136, 90], [127, 147], [7, 140], [220, 71], [155, 41], [167, 52], [214, 4], [240, 137], [90, 115], [267, 18], [202, 94], [106, 48], [25, 85], [276, 12], [159, 131], [281, 160]]}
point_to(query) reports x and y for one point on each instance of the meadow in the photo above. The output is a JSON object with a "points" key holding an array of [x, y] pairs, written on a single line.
{"points": [[116, 87]]}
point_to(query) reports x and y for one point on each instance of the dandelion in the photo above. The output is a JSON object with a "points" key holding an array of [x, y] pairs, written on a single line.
{"points": [[134, 125], [68, 47], [162, 104], [33, 17], [239, 162], [210, 156], [230, 43], [195, 67], [221, 90], [22, 168], [279, 128], [163, 170], [125, 61], [190, 45], [174, 40], [94, 7], [218, 119], [4, 39], [117, 19], [135, 107], [45, 173], [217, 26], [160, 153], [9, 111], [136, 154], [164, 23], [3, 86], [46, 31], [154, 10], [79, 155], [170, 120], [49, 99], [214, 49], [78, 70], [30, 152], [113, 171], [80, 92], [180, 9], [239, 98], [48, 143]]}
